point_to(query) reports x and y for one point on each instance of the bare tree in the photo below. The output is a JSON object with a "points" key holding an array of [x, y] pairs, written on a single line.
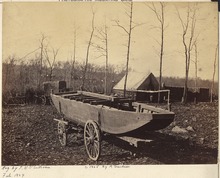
{"points": [[72, 72], [160, 18], [51, 62], [103, 49], [8, 68], [42, 45], [128, 31], [213, 76], [22, 77], [87, 52], [196, 64], [188, 40], [73, 59]]}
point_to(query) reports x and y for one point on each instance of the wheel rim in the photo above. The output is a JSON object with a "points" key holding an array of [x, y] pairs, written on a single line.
{"points": [[44, 100], [51, 101], [92, 140], [62, 133]]}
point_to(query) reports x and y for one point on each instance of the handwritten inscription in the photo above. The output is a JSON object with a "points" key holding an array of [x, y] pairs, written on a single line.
{"points": [[11, 175], [18, 171], [105, 166], [21, 171]]}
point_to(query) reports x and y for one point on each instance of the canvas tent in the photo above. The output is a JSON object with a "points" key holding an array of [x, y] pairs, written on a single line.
{"points": [[137, 81]]}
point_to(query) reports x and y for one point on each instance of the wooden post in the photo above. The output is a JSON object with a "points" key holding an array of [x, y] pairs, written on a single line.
{"points": [[168, 100]]}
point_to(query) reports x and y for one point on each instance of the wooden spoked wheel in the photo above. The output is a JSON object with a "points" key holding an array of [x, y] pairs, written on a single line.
{"points": [[43, 100], [92, 140], [62, 133], [51, 101]]}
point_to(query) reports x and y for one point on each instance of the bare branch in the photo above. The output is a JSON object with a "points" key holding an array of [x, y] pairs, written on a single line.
{"points": [[102, 55], [128, 15], [98, 47], [157, 41], [184, 26], [55, 52], [166, 27], [47, 56], [118, 25], [29, 53], [154, 27], [101, 33], [137, 25], [153, 8]]}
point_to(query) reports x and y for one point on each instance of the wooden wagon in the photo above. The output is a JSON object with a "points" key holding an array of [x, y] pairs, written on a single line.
{"points": [[100, 114]]}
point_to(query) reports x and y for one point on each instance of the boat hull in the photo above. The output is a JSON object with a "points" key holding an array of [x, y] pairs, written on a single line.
{"points": [[110, 120]]}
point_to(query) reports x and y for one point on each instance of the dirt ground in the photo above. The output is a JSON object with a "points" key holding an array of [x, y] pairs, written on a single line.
{"points": [[29, 137]]}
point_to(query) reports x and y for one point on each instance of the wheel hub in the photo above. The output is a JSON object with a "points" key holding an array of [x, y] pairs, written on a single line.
{"points": [[91, 139]]}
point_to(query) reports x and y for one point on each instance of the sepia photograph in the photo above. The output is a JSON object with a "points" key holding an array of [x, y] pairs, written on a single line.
{"points": [[109, 83]]}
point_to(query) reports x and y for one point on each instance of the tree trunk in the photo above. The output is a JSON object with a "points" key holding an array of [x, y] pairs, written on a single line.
{"points": [[128, 52], [41, 61], [87, 54], [185, 90], [106, 61], [51, 73], [161, 58], [213, 77], [72, 79]]}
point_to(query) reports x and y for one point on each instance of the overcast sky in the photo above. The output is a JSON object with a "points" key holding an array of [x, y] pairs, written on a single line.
{"points": [[23, 24]]}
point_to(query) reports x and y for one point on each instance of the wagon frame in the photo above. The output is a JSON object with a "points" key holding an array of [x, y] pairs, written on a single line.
{"points": [[97, 114]]}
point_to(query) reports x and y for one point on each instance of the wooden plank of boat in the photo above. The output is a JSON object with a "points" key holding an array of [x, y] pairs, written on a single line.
{"points": [[148, 107], [80, 97], [74, 97], [96, 95], [70, 95], [106, 97], [100, 102], [88, 97], [124, 100], [64, 93], [88, 100]]}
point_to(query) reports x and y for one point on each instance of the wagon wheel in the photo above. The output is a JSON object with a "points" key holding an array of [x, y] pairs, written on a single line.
{"points": [[92, 140], [35, 99], [62, 133], [50, 101], [43, 100]]}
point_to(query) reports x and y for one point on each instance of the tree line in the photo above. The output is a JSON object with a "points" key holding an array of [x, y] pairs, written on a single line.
{"points": [[18, 77]]}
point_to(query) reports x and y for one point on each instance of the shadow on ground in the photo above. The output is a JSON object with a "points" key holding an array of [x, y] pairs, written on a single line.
{"points": [[167, 149]]}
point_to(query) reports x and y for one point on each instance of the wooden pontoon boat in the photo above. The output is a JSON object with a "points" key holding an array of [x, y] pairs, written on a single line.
{"points": [[99, 113]]}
